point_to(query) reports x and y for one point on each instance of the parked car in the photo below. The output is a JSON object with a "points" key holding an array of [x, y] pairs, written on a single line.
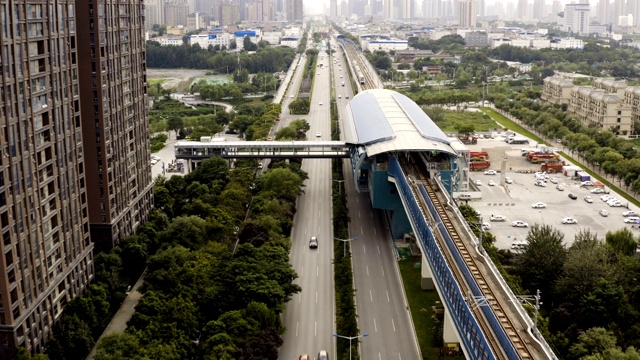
{"points": [[586, 183], [560, 187], [508, 180], [539, 205], [629, 213], [313, 242], [569, 220], [519, 223], [604, 213], [632, 220], [554, 180], [490, 172], [588, 199], [497, 218], [572, 196], [599, 191], [539, 183], [491, 183]]}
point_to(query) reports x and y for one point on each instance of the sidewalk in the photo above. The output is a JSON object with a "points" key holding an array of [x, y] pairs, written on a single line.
{"points": [[119, 321]]}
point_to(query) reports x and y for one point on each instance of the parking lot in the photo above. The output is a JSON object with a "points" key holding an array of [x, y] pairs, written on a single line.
{"points": [[515, 200]]}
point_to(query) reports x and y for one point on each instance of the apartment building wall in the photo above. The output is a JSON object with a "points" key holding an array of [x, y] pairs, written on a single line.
{"points": [[47, 253], [632, 99], [597, 107], [557, 90], [115, 126]]}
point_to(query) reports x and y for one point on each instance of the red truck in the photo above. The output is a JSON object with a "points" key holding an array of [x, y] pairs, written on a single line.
{"points": [[479, 155], [479, 165], [552, 166], [538, 158], [468, 140]]}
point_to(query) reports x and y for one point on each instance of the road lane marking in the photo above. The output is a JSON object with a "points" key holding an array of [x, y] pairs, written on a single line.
{"points": [[361, 231], [315, 329], [367, 266], [374, 231], [388, 300], [382, 270], [316, 297], [317, 271], [365, 249], [371, 295], [378, 249], [379, 356], [399, 357], [375, 327], [302, 272], [297, 325], [393, 324], [359, 215]]}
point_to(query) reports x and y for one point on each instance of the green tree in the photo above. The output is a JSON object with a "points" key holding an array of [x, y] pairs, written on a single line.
{"points": [[282, 182], [119, 346], [622, 242], [593, 341], [538, 265]]}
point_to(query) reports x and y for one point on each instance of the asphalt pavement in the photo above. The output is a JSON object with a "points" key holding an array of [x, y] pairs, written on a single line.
{"points": [[310, 315]]}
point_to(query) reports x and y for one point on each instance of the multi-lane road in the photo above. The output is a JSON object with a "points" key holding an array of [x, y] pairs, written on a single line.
{"points": [[382, 307], [310, 315]]}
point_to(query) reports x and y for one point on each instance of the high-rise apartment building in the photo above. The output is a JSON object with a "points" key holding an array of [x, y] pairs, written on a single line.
{"points": [[468, 14], [539, 9], [153, 13], [333, 9], [176, 12], [576, 18], [115, 127], [294, 10], [46, 250], [523, 9]]}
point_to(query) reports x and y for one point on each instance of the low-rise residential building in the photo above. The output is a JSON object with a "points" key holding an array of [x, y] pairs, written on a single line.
{"points": [[168, 40], [290, 41], [567, 43], [253, 35], [597, 107], [557, 90], [609, 104], [204, 40], [476, 39], [385, 45]]}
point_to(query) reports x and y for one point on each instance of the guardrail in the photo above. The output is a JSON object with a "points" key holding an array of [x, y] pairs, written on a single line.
{"points": [[468, 328]]}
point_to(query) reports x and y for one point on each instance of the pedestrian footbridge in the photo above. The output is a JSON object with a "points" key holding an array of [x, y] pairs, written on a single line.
{"points": [[200, 150]]}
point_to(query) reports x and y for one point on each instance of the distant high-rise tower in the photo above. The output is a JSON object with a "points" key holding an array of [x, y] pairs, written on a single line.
{"points": [[481, 7], [387, 9], [294, 10], [154, 13], [333, 9], [176, 12], [523, 9], [468, 14], [576, 18], [538, 9], [603, 12]]}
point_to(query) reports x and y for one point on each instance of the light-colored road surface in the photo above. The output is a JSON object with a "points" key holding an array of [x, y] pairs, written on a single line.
{"points": [[310, 315], [381, 304]]}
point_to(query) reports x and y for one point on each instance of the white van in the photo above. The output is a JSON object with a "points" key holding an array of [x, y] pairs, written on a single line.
{"points": [[465, 197]]}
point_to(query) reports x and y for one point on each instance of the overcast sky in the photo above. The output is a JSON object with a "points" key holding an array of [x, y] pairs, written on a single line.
{"points": [[316, 6]]}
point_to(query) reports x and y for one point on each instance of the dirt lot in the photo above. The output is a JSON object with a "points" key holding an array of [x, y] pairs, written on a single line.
{"points": [[497, 149], [179, 78]]}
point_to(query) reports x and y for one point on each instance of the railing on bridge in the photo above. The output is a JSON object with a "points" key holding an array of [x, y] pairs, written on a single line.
{"points": [[196, 150], [496, 327], [470, 333]]}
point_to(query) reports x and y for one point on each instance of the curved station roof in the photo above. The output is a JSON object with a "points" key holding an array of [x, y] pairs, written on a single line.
{"points": [[387, 121]]}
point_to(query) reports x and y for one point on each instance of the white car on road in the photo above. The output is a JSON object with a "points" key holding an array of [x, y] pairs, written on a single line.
{"points": [[490, 172], [508, 180], [588, 199], [604, 213], [569, 220], [491, 183], [629, 213], [519, 223], [632, 220], [539, 205]]}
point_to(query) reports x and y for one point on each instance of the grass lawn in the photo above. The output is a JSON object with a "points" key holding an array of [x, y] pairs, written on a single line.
{"points": [[453, 118], [421, 303], [502, 120]]}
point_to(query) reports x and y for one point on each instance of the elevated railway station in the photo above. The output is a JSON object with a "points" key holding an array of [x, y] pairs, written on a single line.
{"points": [[411, 170]]}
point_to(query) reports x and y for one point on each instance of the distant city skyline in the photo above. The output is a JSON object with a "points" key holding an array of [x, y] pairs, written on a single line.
{"points": [[317, 6]]}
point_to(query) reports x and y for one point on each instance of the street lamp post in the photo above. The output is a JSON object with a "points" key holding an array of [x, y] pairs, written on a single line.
{"points": [[351, 338], [340, 182], [344, 243]]}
